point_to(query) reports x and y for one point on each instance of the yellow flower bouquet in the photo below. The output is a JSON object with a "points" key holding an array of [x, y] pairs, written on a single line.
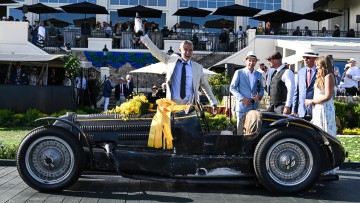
{"points": [[138, 105]]}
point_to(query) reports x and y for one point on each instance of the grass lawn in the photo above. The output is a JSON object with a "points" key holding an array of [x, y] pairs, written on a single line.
{"points": [[10, 137], [352, 146], [13, 136]]}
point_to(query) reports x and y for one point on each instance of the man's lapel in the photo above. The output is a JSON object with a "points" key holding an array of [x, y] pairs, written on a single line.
{"points": [[172, 63]]}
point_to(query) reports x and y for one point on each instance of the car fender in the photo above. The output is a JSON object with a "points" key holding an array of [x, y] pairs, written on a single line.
{"points": [[306, 127], [81, 133]]}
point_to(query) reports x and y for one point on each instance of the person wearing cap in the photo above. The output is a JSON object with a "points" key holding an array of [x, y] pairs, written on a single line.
{"points": [[282, 85], [184, 77], [336, 32], [351, 80], [247, 87], [304, 85], [119, 92], [107, 91], [307, 32]]}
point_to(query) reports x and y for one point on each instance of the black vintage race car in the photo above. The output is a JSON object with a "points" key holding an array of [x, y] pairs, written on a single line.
{"points": [[285, 154]]}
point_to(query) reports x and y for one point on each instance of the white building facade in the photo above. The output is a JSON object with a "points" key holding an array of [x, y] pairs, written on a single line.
{"points": [[169, 7]]}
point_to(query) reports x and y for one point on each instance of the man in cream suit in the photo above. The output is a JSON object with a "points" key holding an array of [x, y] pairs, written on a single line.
{"points": [[247, 87], [304, 85], [183, 77]]}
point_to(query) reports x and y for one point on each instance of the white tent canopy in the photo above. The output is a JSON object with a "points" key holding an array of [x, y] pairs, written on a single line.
{"points": [[160, 68]]}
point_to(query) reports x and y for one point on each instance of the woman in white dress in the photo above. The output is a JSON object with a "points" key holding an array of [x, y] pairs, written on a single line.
{"points": [[324, 110]]}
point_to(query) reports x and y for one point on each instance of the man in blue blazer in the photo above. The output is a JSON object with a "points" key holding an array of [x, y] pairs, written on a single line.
{"points": [[247, 88], [304, 85]]}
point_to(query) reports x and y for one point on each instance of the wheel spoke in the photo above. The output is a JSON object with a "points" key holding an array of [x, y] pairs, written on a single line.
{"points": [[289, 162], [49, 160]]}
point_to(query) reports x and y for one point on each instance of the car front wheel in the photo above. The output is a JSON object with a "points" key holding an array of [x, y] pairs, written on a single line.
{"points": [[286, 162], [50, 159]]}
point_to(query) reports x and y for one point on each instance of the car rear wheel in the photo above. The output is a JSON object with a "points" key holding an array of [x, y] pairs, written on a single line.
{"points": [[50, 159], [287, 161]]}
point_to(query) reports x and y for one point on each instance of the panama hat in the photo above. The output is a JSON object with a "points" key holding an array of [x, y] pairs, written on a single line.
{"points": [[310, 53], [251, 54], [351, 60]]}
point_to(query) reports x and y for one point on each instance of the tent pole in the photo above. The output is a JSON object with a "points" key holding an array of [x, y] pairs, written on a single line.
{"points": [[137, 83]]}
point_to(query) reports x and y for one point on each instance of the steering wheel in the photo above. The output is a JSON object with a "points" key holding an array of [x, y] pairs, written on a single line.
{"points": [[202, 115]]}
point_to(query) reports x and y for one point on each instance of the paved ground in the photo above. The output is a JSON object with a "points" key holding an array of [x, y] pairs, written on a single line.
{"points": [[111, 188]]}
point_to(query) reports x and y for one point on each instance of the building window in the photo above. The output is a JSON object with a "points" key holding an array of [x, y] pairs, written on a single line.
{"points": [[205, 3], [139, 2], [266, 4]]}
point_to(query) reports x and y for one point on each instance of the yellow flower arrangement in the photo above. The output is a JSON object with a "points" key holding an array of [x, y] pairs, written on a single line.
{"points": [[138, 105]]}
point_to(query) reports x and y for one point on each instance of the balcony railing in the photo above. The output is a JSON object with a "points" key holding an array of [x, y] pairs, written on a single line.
{"points": [[125, 40], [315, 33], [202, 42]]}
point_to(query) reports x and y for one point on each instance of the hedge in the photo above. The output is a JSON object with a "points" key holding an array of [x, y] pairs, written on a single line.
{"points": [[9, 118], [348, 114]]}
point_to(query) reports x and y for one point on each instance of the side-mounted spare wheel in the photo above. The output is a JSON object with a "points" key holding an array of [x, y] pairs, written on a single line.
{"points": [[287, 161], [50, 158]]}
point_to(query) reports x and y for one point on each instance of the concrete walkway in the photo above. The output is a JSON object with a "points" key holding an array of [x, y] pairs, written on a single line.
{"points": [[93, 187]]}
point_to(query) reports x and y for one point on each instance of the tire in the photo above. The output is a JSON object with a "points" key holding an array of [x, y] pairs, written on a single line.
{"points": [[50, 159], [287, 161]]}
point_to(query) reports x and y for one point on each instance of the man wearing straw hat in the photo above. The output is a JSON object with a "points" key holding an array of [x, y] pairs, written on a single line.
{"points": [[247, 87], [304, 85]]}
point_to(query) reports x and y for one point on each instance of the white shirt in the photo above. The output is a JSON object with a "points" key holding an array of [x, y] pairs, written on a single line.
{"points": [[203, 35], [251, 76], [263, 73], [176, 81], [289, 80], [41, 31], [352, 82]]}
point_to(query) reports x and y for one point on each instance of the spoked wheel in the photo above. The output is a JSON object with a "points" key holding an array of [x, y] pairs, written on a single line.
{"points": [[50, 159], [286, 162]]}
